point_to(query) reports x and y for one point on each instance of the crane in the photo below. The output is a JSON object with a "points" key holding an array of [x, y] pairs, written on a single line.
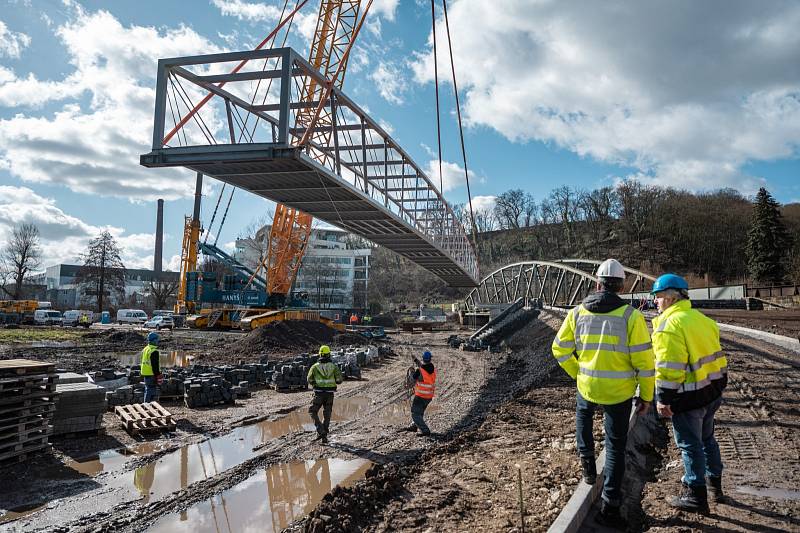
{"points": [[337, 27]]}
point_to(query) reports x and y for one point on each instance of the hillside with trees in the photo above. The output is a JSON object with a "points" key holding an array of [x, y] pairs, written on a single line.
{"points": [[721, 235]]}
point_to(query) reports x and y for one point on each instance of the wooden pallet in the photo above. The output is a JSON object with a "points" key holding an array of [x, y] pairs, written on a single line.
{"points": [[139, 417], [19, 456], [20, 367], [27, 382], [17, 426], [42, 407]]}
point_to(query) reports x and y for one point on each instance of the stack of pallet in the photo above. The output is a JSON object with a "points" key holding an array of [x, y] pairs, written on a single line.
{"points": [[142, 417], [26, 407], [79, 407]]}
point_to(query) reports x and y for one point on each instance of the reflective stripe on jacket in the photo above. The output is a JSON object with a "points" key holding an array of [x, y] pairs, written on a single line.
{"points": [[607, 353], [324, 375], [426, 385], [146, 366], [691, 369]]}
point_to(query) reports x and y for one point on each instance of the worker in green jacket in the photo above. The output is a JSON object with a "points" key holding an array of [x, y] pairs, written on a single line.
{"points": [[691, 374], [323, 375], [605, 346]]}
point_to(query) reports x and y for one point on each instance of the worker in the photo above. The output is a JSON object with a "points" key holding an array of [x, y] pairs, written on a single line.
{"points": [[424, 378], [691, 373], [323, 375], [84, 320], [353, 319], [605, 346], [150, 368], [367, 320]]}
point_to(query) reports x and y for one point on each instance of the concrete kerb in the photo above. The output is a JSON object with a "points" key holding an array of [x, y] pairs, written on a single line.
{"points": [[779, 340]]}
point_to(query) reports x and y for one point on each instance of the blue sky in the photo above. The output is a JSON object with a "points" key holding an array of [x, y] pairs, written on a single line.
{"points": [[553, 93]]}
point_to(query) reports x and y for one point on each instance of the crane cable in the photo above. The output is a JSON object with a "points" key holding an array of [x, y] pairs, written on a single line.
{"points": [[436, 77], [460, 127]]}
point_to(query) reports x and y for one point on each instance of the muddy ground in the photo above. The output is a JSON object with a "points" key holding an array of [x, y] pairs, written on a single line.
{"points": [[255, 465], [758, 430], [779, 321]]}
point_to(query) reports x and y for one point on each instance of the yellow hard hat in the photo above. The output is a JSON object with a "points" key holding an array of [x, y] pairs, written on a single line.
{"points": [[324, 349]]}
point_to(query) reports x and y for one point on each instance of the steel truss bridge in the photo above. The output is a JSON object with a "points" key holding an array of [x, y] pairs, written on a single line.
{"points": [[563, 283], [349, 173]]}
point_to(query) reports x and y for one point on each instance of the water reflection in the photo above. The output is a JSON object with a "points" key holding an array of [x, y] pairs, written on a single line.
{"points": [[269, 500]]}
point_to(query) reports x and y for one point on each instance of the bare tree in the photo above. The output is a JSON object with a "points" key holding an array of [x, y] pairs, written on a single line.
{"points": [[637, 205], [530, 210], [509, 207], [102, 271], [21, 255], [597, 207], [162, 291], [565, 205]]}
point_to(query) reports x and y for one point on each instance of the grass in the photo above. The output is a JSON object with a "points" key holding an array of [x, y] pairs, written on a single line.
{"points": [[34, 334]]}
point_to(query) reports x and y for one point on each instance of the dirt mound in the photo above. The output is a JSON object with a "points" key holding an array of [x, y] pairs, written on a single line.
{"points": [[346, 339], [286, 335], [115, 336]]}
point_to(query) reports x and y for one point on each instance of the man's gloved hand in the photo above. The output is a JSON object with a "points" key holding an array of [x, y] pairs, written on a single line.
{"points": [[642, 406], [416, 361], [159, 379], [664, 410]]}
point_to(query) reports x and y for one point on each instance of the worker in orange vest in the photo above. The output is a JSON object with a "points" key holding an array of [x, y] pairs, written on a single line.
{"points": [[424, 377], [354, 319]]}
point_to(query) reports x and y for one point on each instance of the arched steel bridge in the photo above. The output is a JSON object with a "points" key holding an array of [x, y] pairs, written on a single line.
{"points": [[357, 178], [563, 282]]}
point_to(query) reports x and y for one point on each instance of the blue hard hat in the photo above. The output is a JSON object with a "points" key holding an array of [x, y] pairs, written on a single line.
{"points": [[152, 338], [426, 356], [669, 281]]}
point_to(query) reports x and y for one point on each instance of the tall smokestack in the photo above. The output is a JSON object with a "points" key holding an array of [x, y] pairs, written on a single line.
{"points": [[159, 237]]}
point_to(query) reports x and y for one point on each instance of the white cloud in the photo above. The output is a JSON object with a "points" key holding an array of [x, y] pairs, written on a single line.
{"points": [[483, 203], [247, 10], [12, 43], [94, 147], [63, 236], [390, 82], [452, 174], [686, 95]]}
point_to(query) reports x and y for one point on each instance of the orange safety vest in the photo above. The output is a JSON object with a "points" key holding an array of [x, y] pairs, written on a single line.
{"points": [[424, 389]]}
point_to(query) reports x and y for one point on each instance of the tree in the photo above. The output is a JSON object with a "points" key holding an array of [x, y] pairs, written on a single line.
{"points": [[21, 255], [637, 204], [768, 242], [102, 271], [509, 207], [162, 291]]}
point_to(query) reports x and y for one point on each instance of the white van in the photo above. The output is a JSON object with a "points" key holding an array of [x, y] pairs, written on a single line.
{"points": [[73, 317], [131, 316], [47, 317]]}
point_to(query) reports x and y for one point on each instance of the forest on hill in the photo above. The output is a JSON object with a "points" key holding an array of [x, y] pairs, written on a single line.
{"points": [[720, 235]]}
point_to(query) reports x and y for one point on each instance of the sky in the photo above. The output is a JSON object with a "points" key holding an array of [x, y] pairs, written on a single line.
{"points": [[694, 95]]}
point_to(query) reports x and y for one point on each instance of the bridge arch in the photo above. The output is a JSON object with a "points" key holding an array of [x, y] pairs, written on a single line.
{"points": [[562, 282]]}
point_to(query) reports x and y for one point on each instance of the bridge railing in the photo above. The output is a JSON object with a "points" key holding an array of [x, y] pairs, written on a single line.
{"points": [[258, 98]]}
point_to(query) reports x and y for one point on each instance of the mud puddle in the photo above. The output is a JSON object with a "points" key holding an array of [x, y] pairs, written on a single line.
{"points": [[19, 512], [269, 500], [774, 494], [109, 460]]}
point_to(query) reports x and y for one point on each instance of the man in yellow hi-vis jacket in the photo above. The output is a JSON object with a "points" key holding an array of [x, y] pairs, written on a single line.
{"points": [[691, 373], [605, 346]]}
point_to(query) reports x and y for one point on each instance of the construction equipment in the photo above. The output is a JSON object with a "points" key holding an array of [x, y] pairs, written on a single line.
{"points": [[17, 311], [268, 298]]}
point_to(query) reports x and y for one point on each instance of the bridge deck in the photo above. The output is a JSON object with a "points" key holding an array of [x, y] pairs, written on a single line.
{"points": [[349, 171]]}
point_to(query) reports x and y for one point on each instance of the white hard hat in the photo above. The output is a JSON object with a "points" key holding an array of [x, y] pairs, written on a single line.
{"points": [[610, 268]]}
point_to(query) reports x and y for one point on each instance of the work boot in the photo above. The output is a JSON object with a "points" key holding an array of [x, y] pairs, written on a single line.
{"points": [[589, 470], [610, 516], [324, 439], [412, 427], [692, 499], [714, 487]]}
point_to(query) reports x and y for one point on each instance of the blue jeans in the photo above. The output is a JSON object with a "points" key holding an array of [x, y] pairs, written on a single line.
{"points": [[418, 407], [694, 435], [150, 389], [615, 422]]}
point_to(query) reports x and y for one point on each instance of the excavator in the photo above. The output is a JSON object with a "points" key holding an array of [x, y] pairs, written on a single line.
{"points": [[246, 299]]}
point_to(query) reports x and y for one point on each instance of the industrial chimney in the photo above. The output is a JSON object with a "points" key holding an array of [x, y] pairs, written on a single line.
{"points": [[159, 237]]}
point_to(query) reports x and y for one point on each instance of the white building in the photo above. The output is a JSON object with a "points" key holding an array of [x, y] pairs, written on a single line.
{"points": [[65, 293], [335, 275]]}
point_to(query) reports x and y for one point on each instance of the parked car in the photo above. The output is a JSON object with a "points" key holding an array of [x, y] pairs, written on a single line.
{"points": [[48, 317], [162, 312], [160, 322], [131, 316]]}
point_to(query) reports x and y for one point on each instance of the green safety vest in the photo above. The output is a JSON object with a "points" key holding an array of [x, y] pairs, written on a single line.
{"points": [[146, 368], [325, 375]]}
